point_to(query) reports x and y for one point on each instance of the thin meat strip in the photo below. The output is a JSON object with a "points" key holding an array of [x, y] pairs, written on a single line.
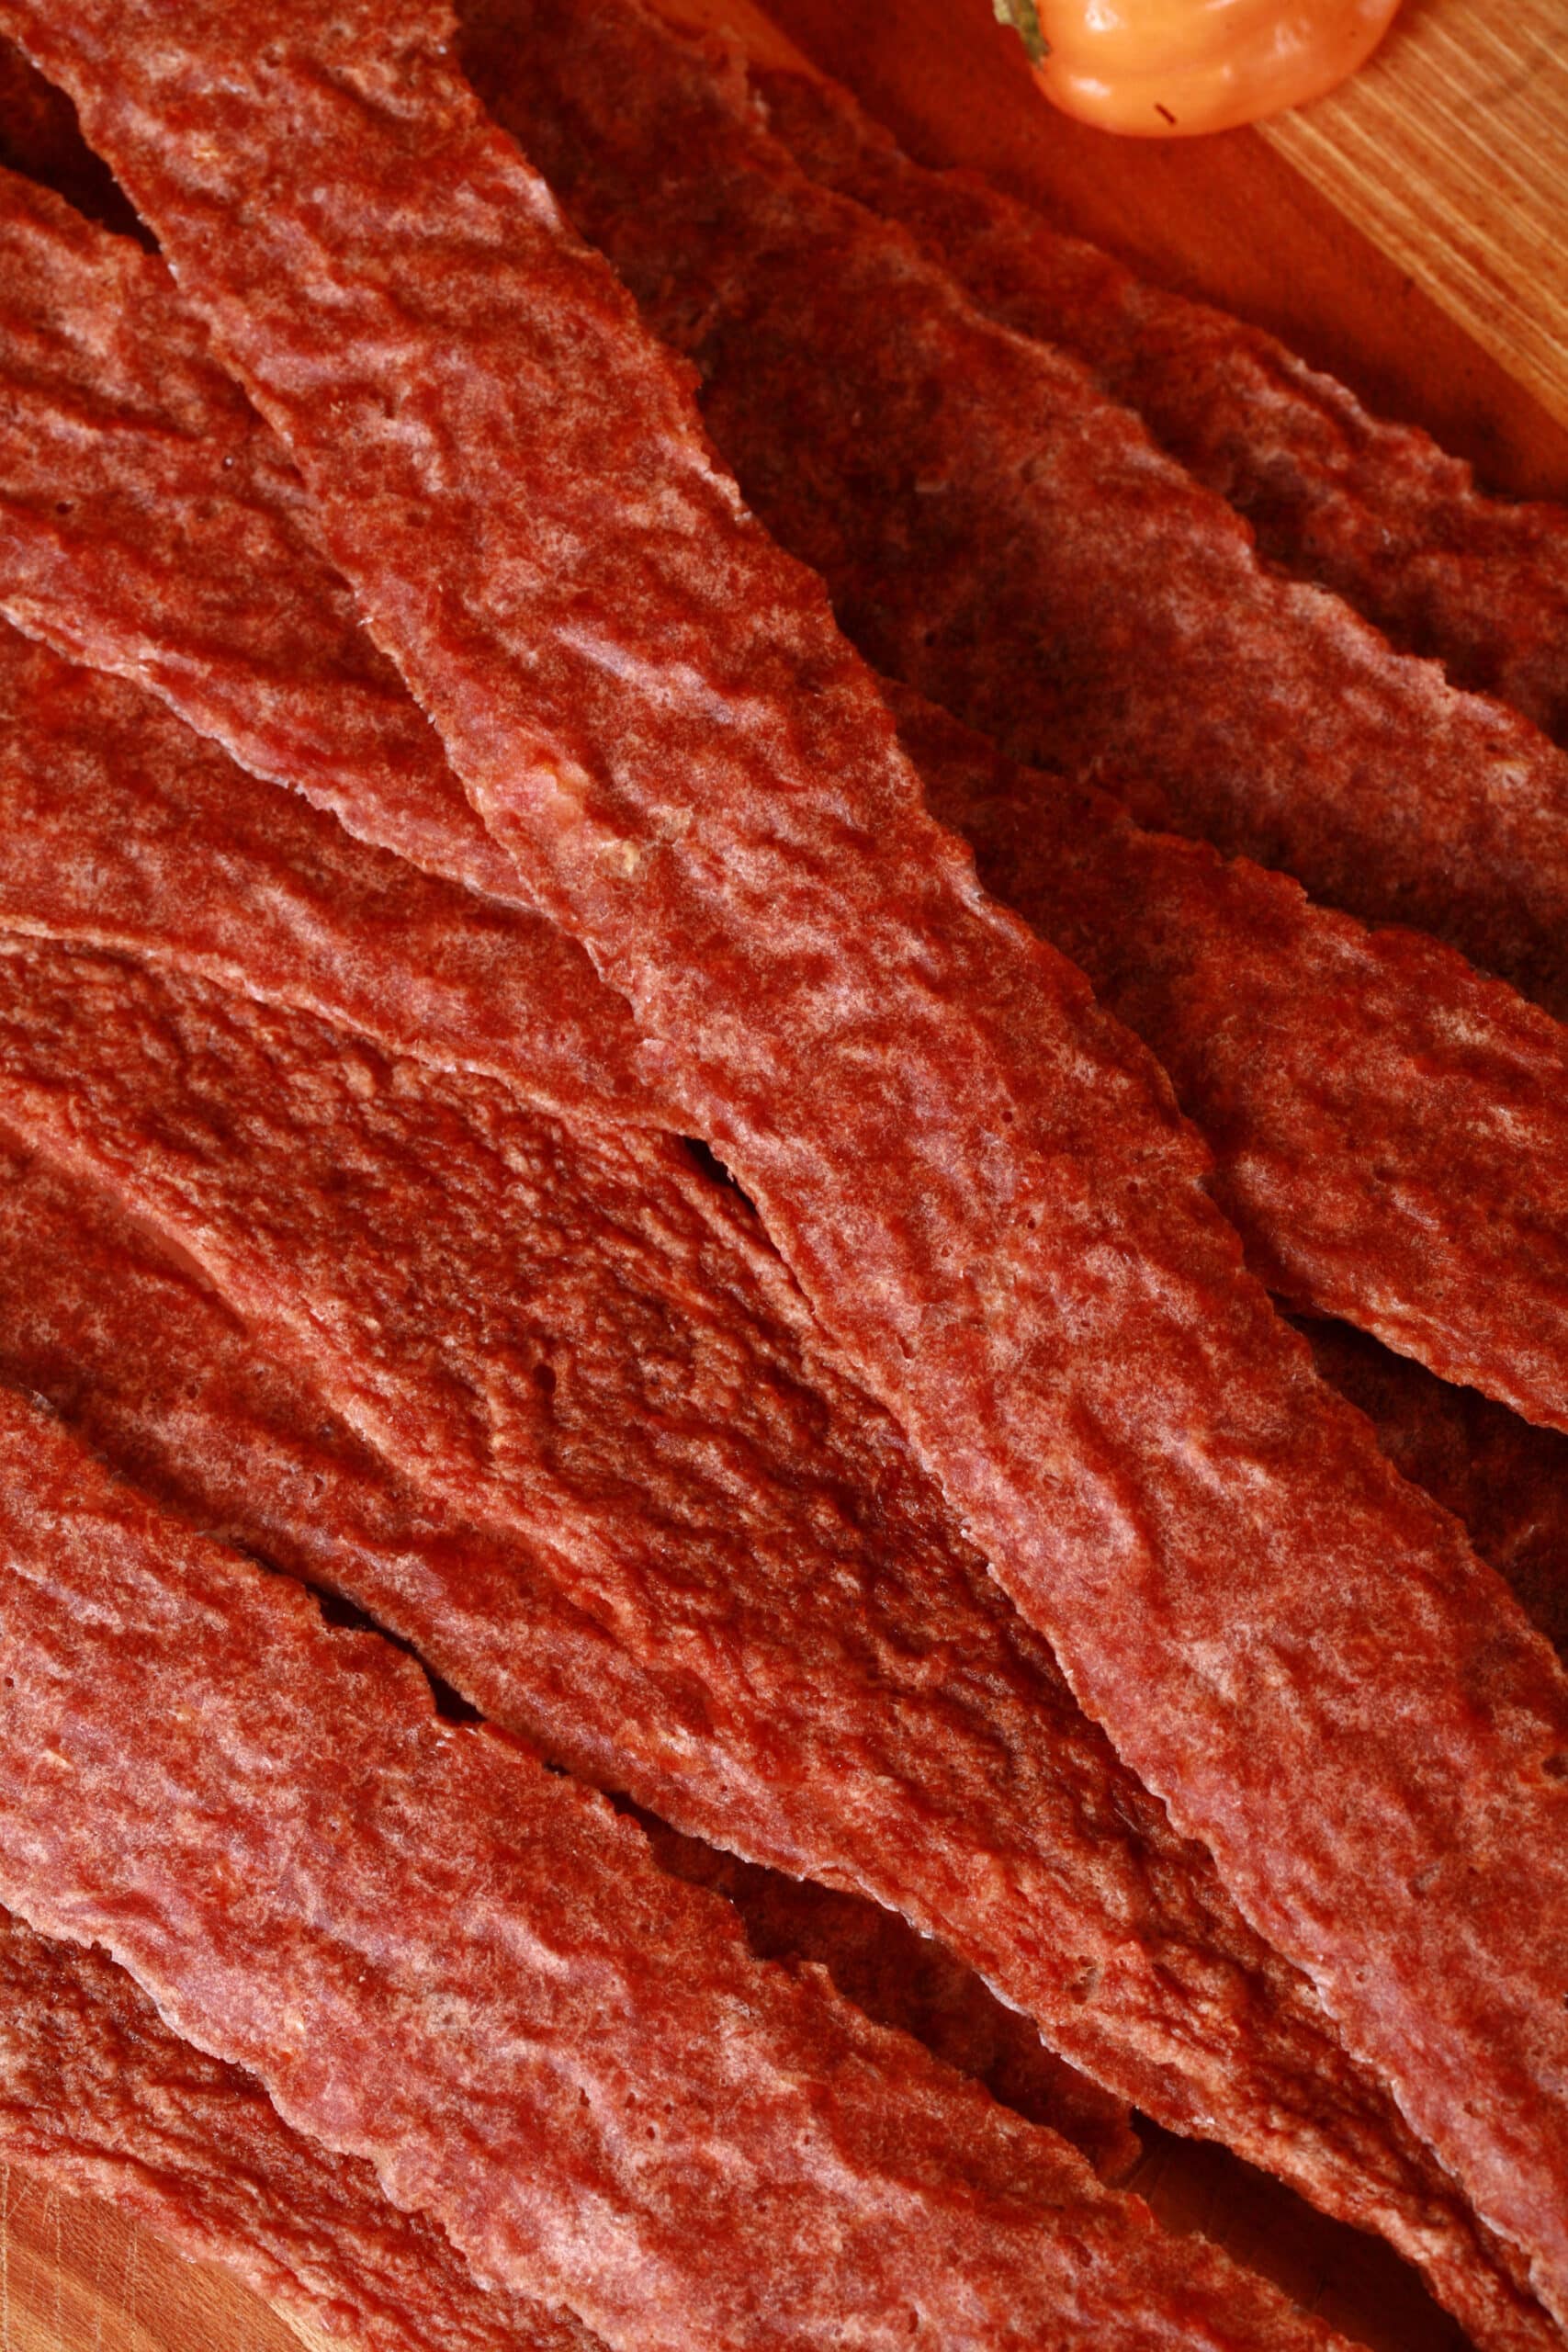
{"points": [[1506, 1481], [321, 711], [963, 1163], [1374, 510], [679, 1549], [230, 1441], [1340, 1054], [1000, 536], [438, 1955], [1372, 1102], [129, 832], [98, 2096]]}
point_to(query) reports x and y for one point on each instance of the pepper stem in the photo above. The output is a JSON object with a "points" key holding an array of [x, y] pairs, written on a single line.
{"points": [[1024, 18]]}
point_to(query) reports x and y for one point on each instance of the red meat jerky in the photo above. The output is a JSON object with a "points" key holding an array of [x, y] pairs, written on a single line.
{"points": [[753, 1655], [39, 135], [100, 2096], [905, 1980], [1384, 1121], [1372, 510], [1340, 1055], [436, 1954], [321, 711], [1506, 1481], [970, 1172], [67, 2008], [999, 535], [121, 826], [230, 1440]]}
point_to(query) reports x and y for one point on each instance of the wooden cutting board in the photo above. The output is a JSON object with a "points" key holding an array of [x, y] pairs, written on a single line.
{"points": [[1411, 233]]}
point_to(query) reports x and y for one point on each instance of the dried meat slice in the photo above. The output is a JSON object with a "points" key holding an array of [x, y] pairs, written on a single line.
{"points": [[912, 1982], [121, 827], [984, 1195], [1506, 1481], [1337, 497], [1000, 536], [1342, 1054], [96, 2094], [1384, 1120], [228, 1440], [321, 711], [438, 1955], [819, 1674], [215, 1430]]}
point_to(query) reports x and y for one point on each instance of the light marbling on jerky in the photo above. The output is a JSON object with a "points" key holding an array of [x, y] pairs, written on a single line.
{"points": [[1340, 498], [1342, 1051], [1000, 536], [438, 1955], [986, 1199], [678, 1548]]}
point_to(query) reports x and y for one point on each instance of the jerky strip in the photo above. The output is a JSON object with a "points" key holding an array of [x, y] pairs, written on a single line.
{"points": [[1376, 511], [910, 1981], [123, 827], [97, 2093], [1506, 1481], [322, 711], [228, 1439], [439, 1955], [1387, 1125], [724, 1587], [1341, 1055], [87, 2074], [998, 533], [972, 1172]]}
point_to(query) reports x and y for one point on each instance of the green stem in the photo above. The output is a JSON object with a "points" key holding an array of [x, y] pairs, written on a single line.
{"points": [[1023, 16]]}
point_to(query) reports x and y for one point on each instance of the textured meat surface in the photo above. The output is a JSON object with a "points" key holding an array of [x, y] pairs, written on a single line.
{"points": [[973, 1175], [435, 1954], [39, 135], [739, 1600], [1506, 1481], [1376, 511], [321, 711], [1333, 1085], [905, 1980], [1387, 1125], [97, 2093], [122, 827], [218, 1431], [999, 534]]}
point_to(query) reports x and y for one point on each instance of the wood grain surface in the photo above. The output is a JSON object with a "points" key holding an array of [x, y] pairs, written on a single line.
{"points": [[1450, 150], [1411, 233], [77, 2277]]}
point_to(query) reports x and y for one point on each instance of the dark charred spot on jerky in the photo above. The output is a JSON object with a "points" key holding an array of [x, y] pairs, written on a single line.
{"points": [[1556, 1768]]}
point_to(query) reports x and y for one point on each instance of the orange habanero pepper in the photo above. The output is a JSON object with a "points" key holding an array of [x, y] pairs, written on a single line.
{"points": [[1164, 69]]}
